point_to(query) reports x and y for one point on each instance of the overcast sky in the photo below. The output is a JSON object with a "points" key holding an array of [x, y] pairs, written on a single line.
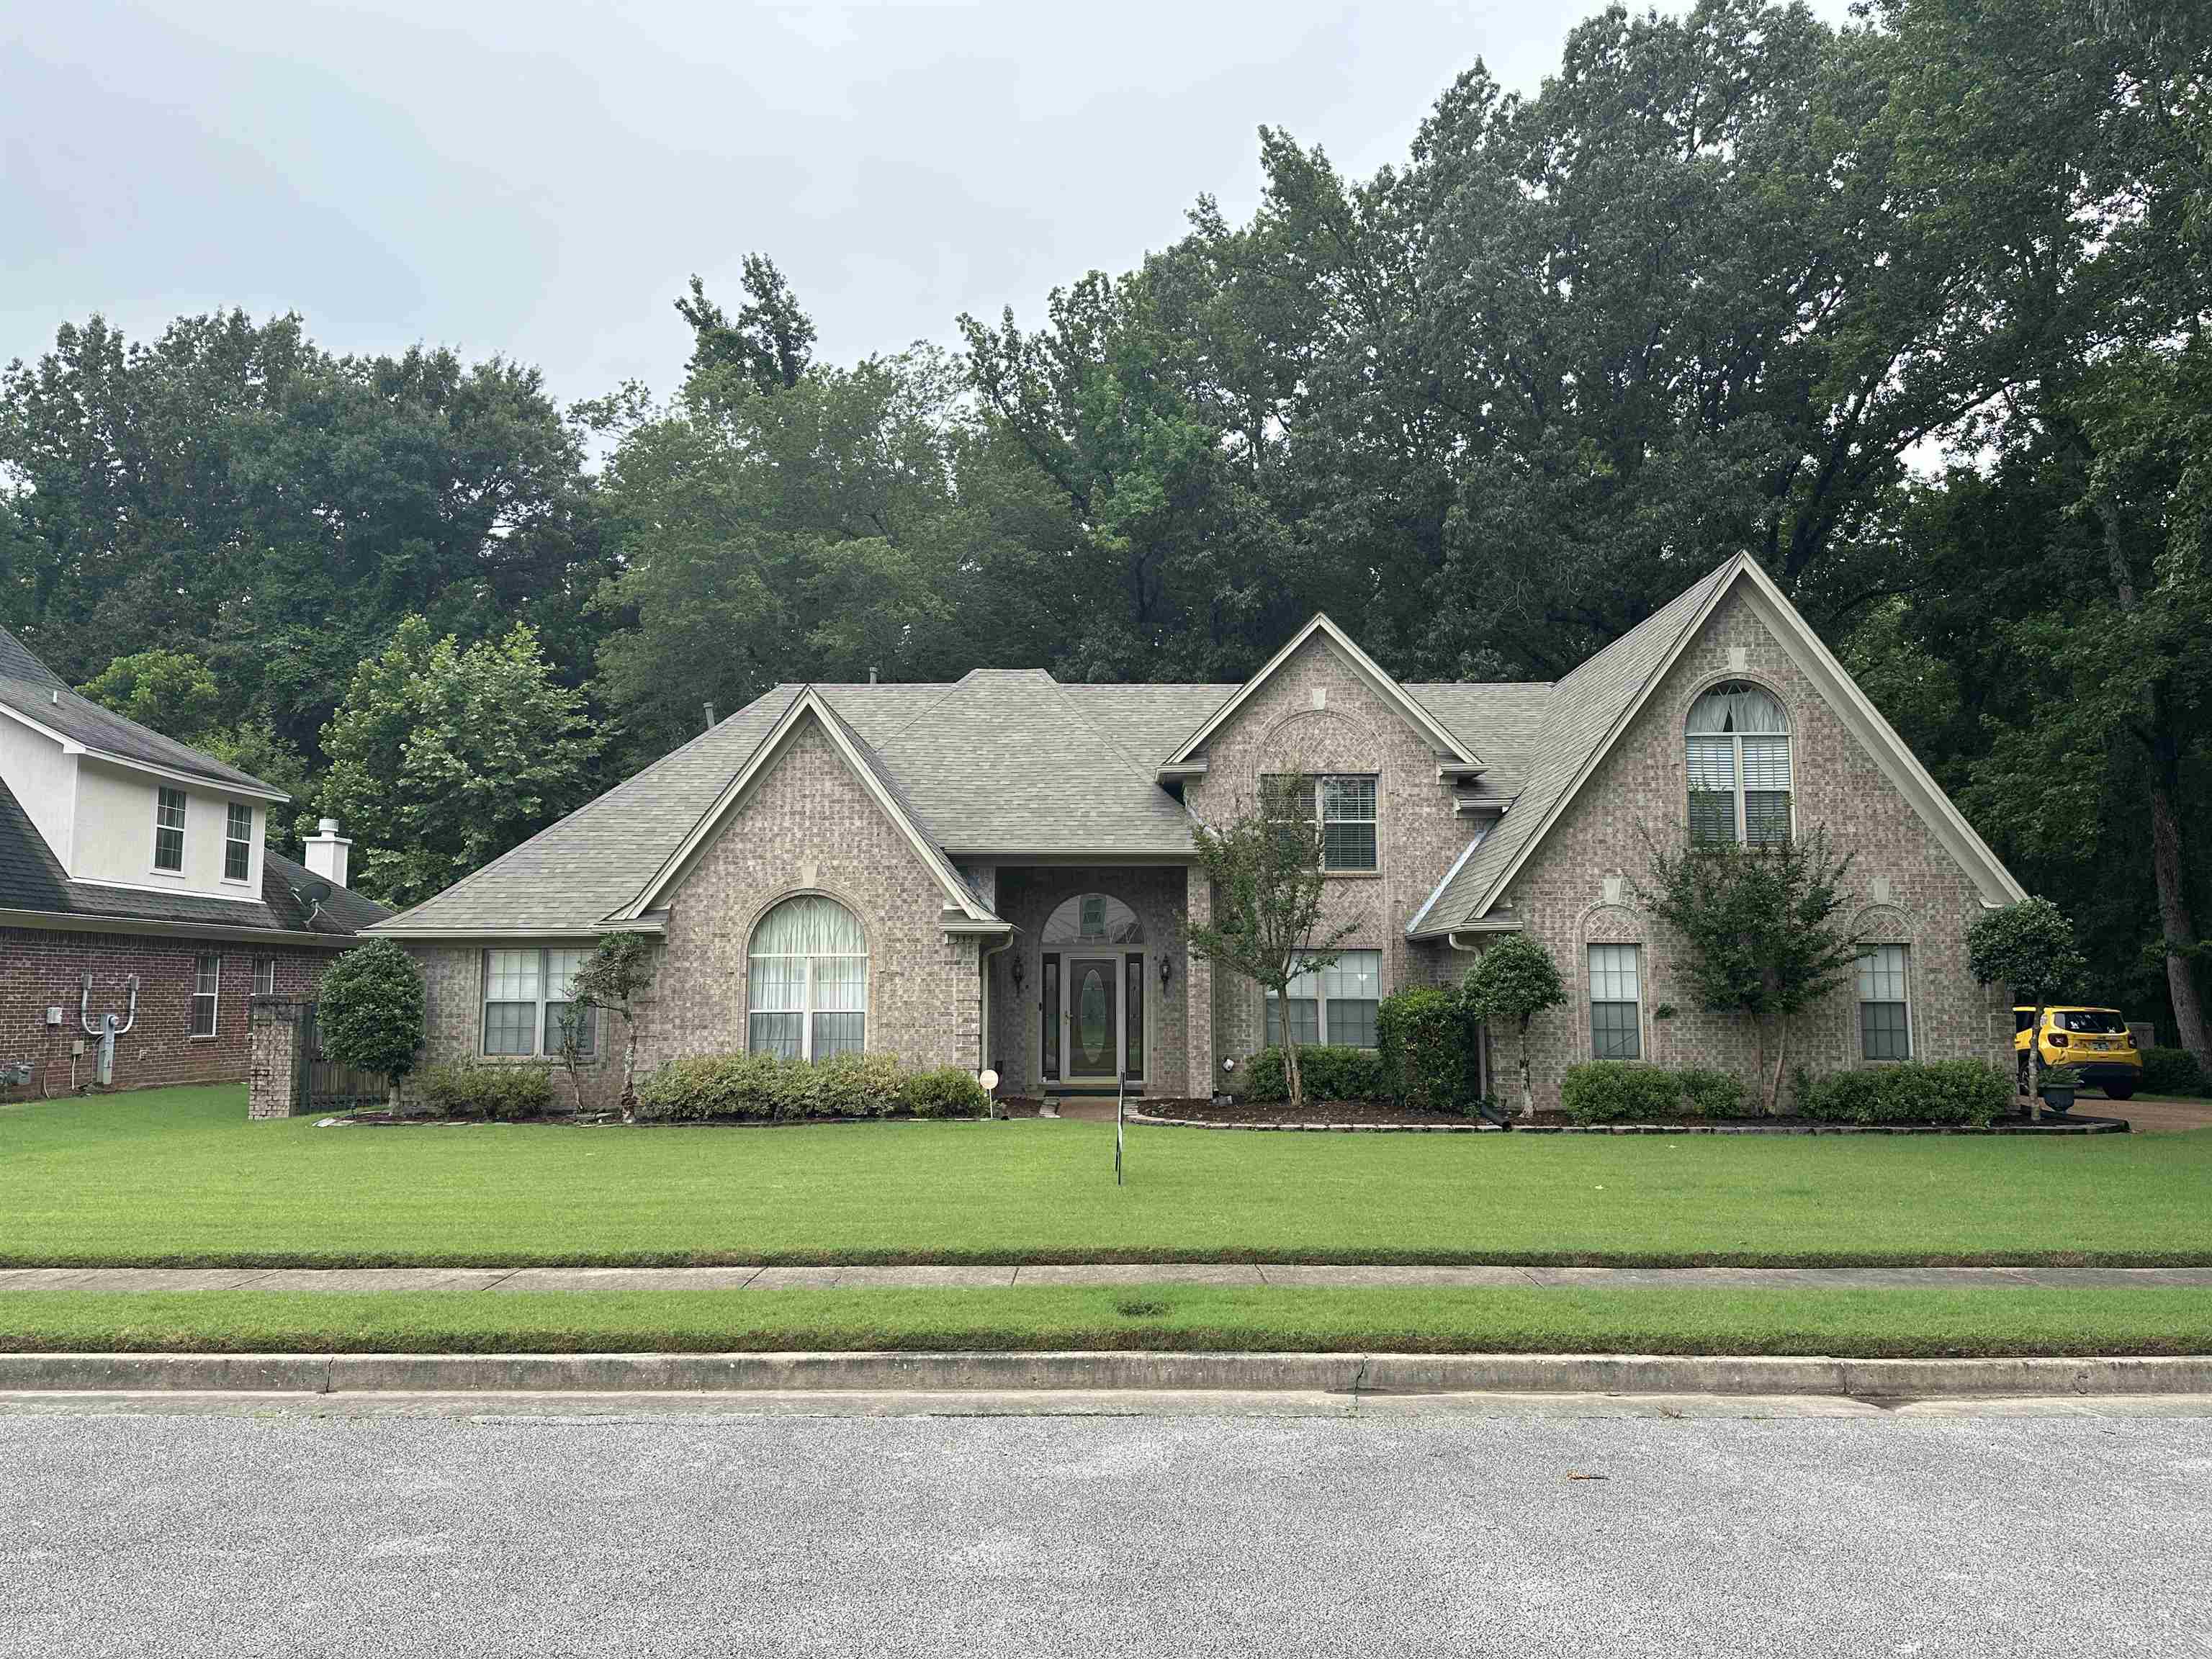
{"points": [[539, 177]]}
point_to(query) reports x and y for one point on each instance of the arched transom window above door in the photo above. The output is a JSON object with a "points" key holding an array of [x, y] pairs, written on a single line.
{"points": [[807, 979], [1093, 918], [1739, 766]]}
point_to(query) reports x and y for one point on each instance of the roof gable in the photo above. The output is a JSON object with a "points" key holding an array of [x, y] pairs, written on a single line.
{"points": [[1595, 704], [1361, 664], [866, 765]]}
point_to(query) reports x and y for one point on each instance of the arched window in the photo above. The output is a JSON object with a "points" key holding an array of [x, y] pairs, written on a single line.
{"points": [[807, 982], [1739, 752], [1093, 918]]}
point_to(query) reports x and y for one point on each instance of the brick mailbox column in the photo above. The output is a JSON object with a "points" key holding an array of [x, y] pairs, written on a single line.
{"points": [[275, 1026]]}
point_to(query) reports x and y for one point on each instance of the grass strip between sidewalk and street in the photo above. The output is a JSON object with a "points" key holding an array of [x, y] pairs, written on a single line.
{"points": [[178, 1177], [1847, 1323]]}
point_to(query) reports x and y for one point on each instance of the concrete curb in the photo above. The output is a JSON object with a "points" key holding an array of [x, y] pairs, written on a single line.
{"points": [[1330, 1373]]}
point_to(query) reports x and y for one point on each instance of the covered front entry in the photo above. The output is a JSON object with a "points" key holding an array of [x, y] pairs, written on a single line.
{"points": [[1092, 1011]]}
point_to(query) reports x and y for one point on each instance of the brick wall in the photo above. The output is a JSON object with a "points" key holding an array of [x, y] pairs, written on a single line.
{"points": [[1910, 892], [40, 968], [1279, 729]]}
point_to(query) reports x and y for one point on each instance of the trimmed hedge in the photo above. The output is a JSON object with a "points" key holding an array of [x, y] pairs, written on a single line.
{"points": [[503, 1093], [1910, 1091], [1331, 1072], [766, 1088], [1617, 1091], [1424, 1042], [2171, 1072]]}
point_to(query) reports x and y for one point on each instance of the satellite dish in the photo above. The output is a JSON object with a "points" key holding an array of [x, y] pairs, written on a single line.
{"points": [[315, 891]]}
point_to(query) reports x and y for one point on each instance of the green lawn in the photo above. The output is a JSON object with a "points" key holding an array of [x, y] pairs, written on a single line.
{"points": [[179, 1176], [1855, 1323]]}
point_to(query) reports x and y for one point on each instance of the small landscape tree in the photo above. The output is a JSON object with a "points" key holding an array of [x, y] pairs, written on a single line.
{"points": [[1512, 982], [1761, 931], [613, 979], [369, 1011], [2029, 946], [1266, 872]]}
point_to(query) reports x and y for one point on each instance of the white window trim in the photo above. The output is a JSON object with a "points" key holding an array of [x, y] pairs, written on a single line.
{"points": [[214, 999], [538, 1050], [1321, 998], [1593, 1001], [230, 840], [807, 1010], [184, 833], [1859, 1003], [1789, 740]]}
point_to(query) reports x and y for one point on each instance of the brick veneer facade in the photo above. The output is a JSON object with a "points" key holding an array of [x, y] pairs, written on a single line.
{"points": [[1912, 891], [808, 826], [41, 968]]}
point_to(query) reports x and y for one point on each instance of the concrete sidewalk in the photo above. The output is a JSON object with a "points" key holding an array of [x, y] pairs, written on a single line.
{"points": [[758, 1278]]}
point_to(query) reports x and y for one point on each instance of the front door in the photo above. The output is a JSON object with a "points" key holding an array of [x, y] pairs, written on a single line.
{"points": [[1092, 1017]]}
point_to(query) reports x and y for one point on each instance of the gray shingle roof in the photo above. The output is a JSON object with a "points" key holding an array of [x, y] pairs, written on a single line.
{"points": [[31, 879], [1575, 718], [33, 690], [1009, 762]]}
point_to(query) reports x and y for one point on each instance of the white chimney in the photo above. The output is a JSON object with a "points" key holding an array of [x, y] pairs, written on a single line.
{"points": [[328, 853]]}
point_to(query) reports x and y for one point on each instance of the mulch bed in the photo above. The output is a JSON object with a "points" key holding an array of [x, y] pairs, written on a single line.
{"points": [[1250, 1112], [1357, 1115]]}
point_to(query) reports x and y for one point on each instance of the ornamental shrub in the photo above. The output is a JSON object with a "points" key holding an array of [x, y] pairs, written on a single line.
{"points": [[2171, 1072], [1331, 1072], [368, 1010], [1614, 1091], [1910, 1091], [1711, 1094], [1424, 1044], [944, 1091], [500, 1093]]}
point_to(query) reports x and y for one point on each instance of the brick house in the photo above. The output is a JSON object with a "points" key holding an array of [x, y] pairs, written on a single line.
{"points": [[999, 873], [135, 880]]}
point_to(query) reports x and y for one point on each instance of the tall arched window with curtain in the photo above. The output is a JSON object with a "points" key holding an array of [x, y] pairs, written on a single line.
{"points": [[807, 982], [1740, 776]]}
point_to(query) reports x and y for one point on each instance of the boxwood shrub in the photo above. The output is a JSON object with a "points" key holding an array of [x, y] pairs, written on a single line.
{"points": [[2171, 1072], [1331, 1072], [1615, 1091], [1424, 1042], [1910, 1092], [764, 1088], [505, 1092]]}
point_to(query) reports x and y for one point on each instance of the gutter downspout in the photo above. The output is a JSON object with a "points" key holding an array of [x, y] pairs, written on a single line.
{"points": [[983, 1024]]}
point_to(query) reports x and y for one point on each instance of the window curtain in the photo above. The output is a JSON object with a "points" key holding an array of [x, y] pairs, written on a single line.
{"points": [[1738, 708], [802, 939]]}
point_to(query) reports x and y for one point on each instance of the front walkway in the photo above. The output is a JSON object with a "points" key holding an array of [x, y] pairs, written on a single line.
{"points": [[1197, 1272]]}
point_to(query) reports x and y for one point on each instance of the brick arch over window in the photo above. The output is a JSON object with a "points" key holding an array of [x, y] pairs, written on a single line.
{"points": [[1319, 740], [1738, 762]]}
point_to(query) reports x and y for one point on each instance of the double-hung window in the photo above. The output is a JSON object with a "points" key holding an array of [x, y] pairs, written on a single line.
{"points": [[169, 829], [1616, 993], [1341, 808], [265, 977], [1739, 766], [526, 993], [1885, 1004], [561, 969], [207, 991], [1334, 1004], [238, 842]]}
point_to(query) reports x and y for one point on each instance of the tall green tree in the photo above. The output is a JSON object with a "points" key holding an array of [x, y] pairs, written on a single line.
{"points": [[443, 756]]}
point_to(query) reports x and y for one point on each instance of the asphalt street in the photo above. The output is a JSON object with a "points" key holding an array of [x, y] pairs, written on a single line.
{"points": [[485, 1528]]}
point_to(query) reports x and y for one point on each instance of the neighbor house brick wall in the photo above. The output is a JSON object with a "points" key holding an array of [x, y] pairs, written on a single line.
{"points": [[1026, 896], [40, 968], [1908, 888], [1315, 715]]}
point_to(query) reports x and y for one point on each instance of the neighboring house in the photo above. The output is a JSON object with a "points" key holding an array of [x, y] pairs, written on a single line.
{"points": [[999, 873], [124, 855]]}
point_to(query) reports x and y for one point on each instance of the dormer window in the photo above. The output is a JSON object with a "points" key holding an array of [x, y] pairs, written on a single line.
{"points": [[169, 829], [1739, 766], [238, 842]]}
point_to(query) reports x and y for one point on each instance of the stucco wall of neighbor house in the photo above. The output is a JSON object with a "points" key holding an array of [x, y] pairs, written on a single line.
{"points": [[1027, 896], [1909, 889], [1314, 716]]}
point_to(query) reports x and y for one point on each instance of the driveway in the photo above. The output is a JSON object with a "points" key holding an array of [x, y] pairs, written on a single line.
{"points": [[1534, 1532]]}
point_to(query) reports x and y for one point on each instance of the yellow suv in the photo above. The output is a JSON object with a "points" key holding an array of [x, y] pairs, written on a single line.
{"points": [[2094, 1041]]}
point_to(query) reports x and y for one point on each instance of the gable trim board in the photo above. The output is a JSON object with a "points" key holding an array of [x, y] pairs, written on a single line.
{"points": [[965, 910], [239, 784], [1462, 761], [1829, 677]]}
